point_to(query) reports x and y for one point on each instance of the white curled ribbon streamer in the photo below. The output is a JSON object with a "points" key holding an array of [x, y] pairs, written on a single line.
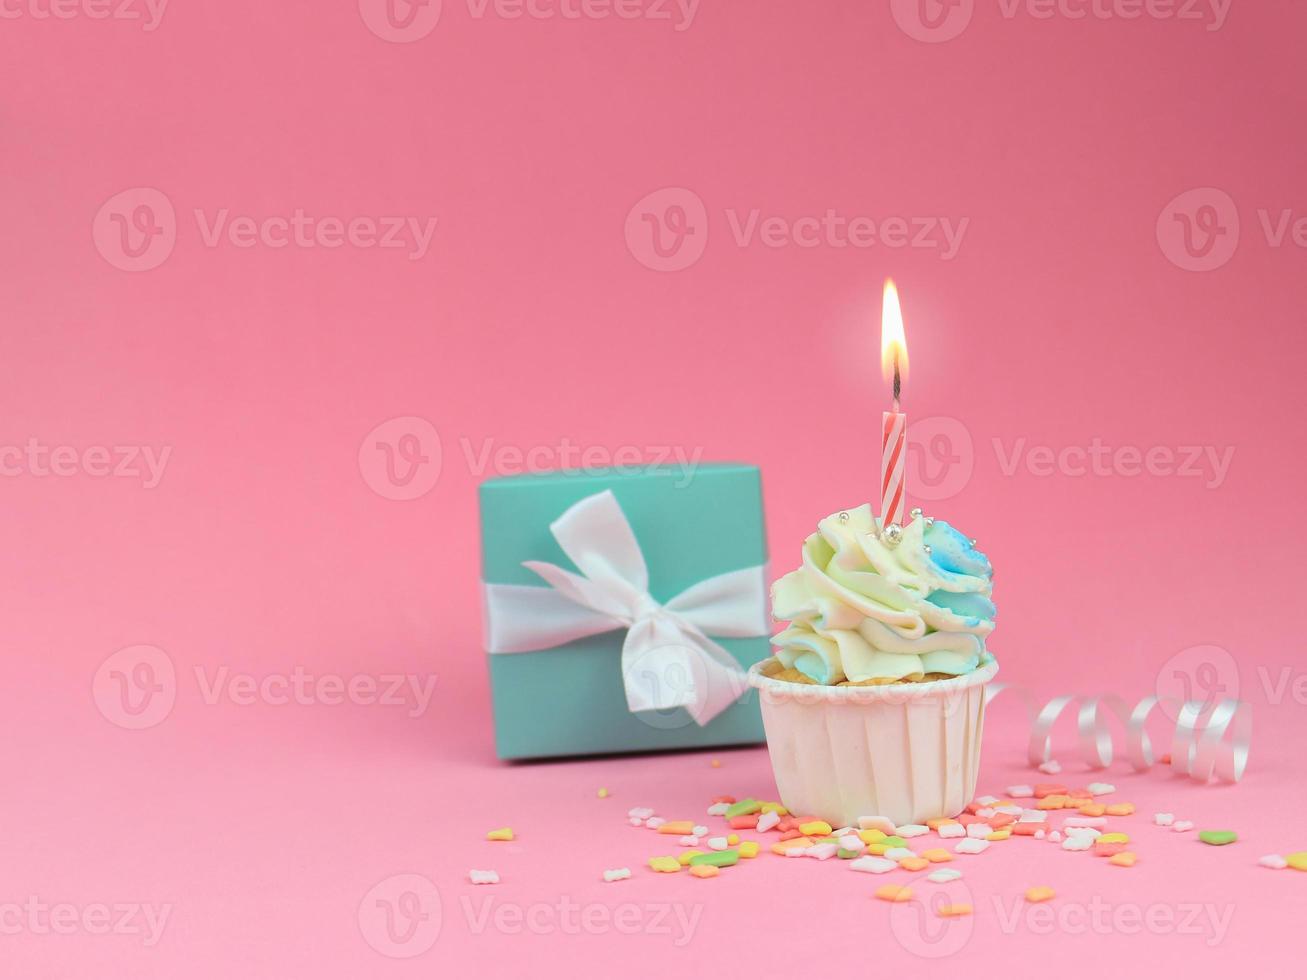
{"points": [[663, 641], [1210, 738]]}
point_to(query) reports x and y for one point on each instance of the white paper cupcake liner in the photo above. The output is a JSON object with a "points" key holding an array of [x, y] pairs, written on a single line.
{"points": [[909, 752]]}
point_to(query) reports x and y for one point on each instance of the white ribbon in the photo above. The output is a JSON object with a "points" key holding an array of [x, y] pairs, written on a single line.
{"points": [[668, 661], [1209, 739]]}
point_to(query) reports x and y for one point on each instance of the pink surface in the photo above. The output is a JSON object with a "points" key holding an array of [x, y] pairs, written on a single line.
{"points": [[1106, 211]]}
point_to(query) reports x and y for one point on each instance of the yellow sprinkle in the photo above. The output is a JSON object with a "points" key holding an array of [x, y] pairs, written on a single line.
{"points": [[1040, 893], [894, 893], [775, 808], [665, 864], [815, 828], [1114, 839], [503, 833], [879, 848], [953, 911], [684, 856], [1003, 834], [1297, 860], [937, 855], [732, 839], [748, 848], [872, 835], [603, 793]]}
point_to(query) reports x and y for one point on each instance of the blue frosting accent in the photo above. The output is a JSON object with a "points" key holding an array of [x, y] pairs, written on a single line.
{"points": [[975, 607], [952, 551]]}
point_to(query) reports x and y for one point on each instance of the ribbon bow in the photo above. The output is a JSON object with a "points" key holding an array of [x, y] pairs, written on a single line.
{"points": [[668, 660]]}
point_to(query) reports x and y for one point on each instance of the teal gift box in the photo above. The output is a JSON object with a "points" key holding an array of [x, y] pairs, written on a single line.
{"points": [[570, 698]]}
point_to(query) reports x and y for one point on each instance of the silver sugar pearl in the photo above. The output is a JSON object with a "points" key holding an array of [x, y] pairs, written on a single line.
{"points": [[926, 547], [915, 513], [893, 535], [930, 521], [844, 517]]}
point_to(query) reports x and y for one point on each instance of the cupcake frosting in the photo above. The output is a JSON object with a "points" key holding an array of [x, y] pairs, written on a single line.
{"points": [[859, 610]]}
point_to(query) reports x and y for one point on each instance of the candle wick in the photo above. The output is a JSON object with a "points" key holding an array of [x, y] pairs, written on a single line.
{"points": [[898, 384]]}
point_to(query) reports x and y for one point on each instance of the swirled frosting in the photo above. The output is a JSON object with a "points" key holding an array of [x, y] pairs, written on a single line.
{"points": [[859, 610]]}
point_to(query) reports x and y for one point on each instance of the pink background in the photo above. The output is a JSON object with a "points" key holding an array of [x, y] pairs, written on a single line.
{"points": [[1071, 312]]}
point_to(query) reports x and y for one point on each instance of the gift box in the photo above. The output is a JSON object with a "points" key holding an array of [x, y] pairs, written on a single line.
{"points": [[622, 609]]}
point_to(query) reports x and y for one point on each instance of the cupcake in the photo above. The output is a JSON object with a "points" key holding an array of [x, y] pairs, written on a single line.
{"points": [[874, 700]]}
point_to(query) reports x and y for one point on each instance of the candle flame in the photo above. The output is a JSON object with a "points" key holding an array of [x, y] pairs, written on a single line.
{"points": [[893, 342]]}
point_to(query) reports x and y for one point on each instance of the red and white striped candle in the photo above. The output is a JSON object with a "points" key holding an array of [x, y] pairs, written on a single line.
{"points": [[892, 445], [894, 425]]}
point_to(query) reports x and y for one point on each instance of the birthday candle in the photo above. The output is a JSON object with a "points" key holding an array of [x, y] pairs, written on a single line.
{"points": [[894, 425]]}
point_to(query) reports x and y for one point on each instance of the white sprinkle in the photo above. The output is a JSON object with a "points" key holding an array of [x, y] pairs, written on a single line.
{"points": [[641, 812], [769, 820], [796, 852], [653, 823], [1100, 789], [985, 812], [851, 842], [1085, 822], [717, 843], [636, 822], [1040, 835], [971, 846], [876, 823], [1180, 826], [911, 830], [1273, 861], [1055, 836], [699, 830], [944, 875], [1013, 810], [979, 830], [986, 800], [872, 865], [822, 851], [617, 874], [1163, 819], [718, 809], [899, 853], [1086, 833], [1052, 767], [1034, 816], [952, 830], [1017, 792], [483, 877], [689, 840], [1078, 842]]}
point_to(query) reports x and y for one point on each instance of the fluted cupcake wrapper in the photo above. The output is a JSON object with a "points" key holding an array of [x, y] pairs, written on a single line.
{"points": [[909, 752]]}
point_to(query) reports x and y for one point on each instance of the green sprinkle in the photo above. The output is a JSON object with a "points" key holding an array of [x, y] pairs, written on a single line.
{"points": [[1217, 837], [743, 808], [718, 859], [893, 842], [846, 855]]}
